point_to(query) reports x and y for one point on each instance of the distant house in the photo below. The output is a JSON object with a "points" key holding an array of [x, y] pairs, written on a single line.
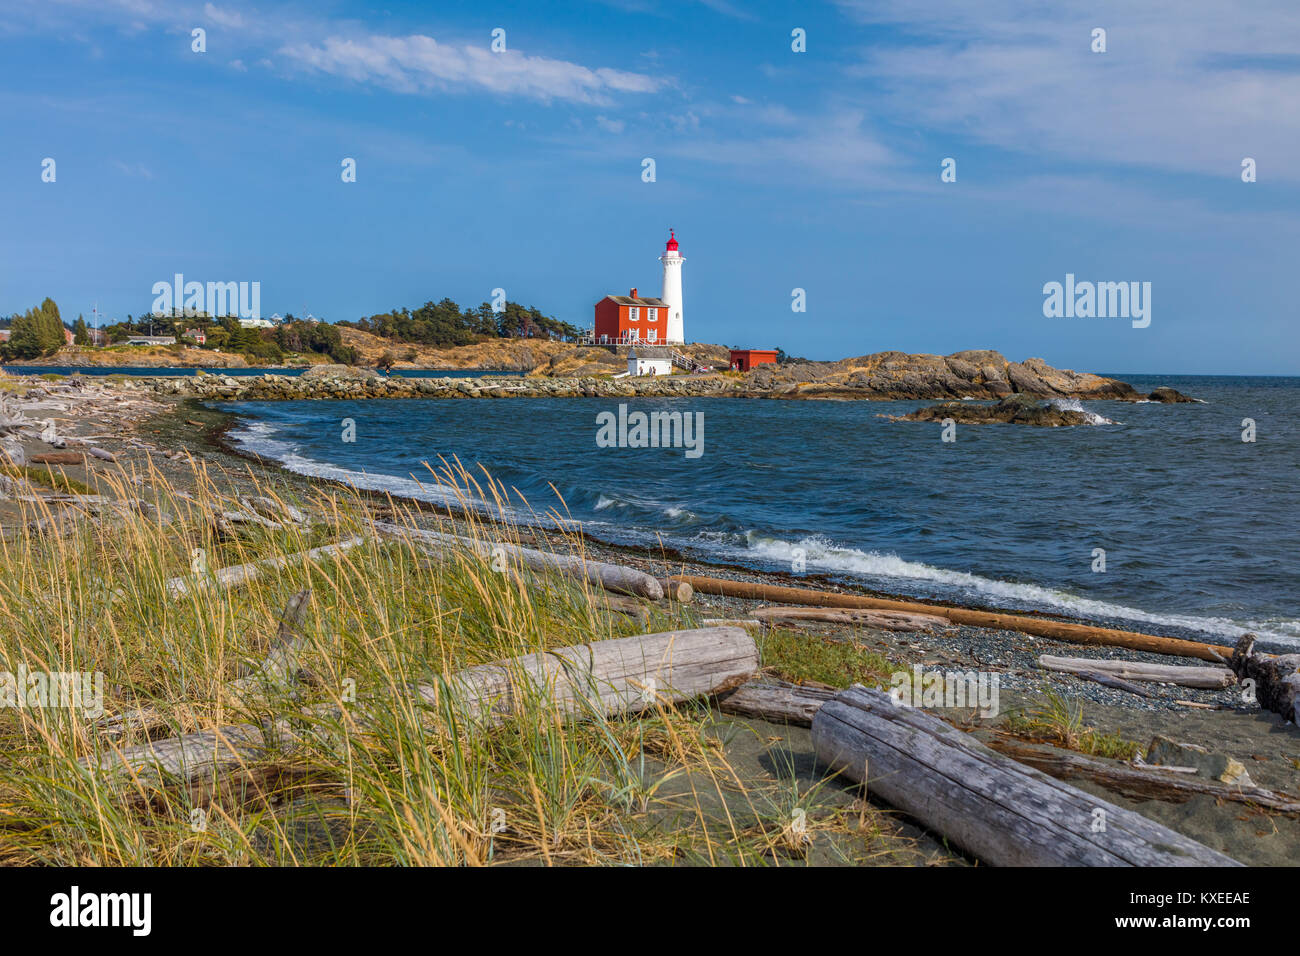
{"points": [[4, 335], [197, 335], [97, 336], [742, 360], [69, 337], [151, 340], [649, 360]]}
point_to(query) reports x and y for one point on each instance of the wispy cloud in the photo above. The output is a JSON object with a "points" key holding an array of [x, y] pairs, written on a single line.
{"points": [[412, 64], [223, 18], [133, 169], [1185, 85]]}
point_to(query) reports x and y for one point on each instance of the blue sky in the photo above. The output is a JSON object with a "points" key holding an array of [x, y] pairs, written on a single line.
{"points": [[779, 170]]}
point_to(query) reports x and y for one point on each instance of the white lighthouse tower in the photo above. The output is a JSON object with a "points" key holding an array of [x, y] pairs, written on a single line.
{"points": [[672, 260]]}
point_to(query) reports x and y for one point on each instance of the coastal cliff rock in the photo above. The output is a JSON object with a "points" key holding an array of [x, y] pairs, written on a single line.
{"points": [[981, 375]]}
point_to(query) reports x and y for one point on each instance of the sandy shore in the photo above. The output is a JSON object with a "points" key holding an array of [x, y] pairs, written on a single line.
{"points": [[143, 430]]}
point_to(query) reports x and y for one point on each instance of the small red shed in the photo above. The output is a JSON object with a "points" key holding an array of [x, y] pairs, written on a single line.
{"points": [[742, 360]]}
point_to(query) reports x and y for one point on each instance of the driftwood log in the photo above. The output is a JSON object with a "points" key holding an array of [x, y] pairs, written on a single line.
{"points": [[608, 677], [240, 574], [611, 577], [620, 676], [620, 604], [776, 701], [884, 620], [1141, 783], [797, 704], [1276, 679], [1038, 626], [1209, 678], [1106, 680], [678, 591], [998, 810]]}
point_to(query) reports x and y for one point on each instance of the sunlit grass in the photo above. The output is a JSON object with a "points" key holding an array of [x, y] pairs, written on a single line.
{"points": [[358, 767]]}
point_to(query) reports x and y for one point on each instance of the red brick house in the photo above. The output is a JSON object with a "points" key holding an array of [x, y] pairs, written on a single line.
{"points": [[621, 319]]}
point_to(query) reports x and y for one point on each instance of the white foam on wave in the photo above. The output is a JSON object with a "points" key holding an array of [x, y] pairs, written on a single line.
{"points": [[822, 555], [260, 438], [1074, 405]]}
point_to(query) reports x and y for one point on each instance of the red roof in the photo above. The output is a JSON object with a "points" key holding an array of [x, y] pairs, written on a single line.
{"points": [[672, 241]]}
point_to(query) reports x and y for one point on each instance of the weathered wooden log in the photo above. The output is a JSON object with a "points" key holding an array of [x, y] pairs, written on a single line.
{"points": [[731, 622], [777, 701], [998, 810], [279, 669], [1039, 626], [611, 577], [780, 702], [620, 604], [1106, 680], [678, 591], [1208, 678], [608, 677], [1276, 679], [1141, 783], [884, 620], [240, 574]]}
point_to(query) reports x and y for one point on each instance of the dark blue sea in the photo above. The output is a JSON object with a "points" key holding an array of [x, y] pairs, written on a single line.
{"points": [[1200, 529]]}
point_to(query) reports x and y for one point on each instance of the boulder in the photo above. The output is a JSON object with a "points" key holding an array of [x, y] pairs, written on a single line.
{"points": [[1166, 752]]}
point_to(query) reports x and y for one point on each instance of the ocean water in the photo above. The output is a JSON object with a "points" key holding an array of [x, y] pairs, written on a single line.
{"points": [[1200, 529]]}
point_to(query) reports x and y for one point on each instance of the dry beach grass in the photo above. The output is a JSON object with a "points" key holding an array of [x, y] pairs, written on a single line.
{"points": [[406, 786]]}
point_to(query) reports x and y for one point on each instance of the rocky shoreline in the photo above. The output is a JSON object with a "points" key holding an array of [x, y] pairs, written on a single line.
{"points": [[158, 436], [884, 376]]}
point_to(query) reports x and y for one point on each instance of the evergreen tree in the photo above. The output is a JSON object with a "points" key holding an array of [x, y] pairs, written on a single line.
{"points": [[80, 334]]}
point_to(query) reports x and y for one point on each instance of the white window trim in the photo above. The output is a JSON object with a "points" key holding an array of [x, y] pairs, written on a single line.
{"points": [[633, 313], [651, 315]]}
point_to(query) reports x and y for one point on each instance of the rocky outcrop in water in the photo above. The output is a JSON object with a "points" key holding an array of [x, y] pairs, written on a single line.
{"points": [[1014, 410]]}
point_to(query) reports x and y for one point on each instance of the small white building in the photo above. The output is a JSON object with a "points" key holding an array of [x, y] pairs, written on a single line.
{"points": [[648, 360]]}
